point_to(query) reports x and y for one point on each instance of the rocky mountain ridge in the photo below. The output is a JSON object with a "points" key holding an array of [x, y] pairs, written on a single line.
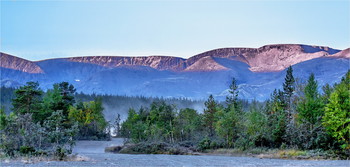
{"points": [[258, 71], [16, 63], [267, 58]]}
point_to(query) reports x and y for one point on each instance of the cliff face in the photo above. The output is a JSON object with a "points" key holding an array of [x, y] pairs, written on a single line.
{"points": [[270, 57], [278, 57], [16, 63], [156, 62], [264, 59]]}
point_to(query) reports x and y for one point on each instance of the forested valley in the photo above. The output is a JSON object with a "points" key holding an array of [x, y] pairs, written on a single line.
{"points": [[298, 117]]}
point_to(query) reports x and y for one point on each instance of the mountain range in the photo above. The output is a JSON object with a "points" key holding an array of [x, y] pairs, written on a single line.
{"points": [[258, 71]]}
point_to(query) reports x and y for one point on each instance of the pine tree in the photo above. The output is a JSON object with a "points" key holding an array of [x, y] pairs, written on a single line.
{"points": [[67, 92], [61, 97], [28, 99]]}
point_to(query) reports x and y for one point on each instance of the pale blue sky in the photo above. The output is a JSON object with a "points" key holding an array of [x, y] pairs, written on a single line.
{"points": [[39, 30]]}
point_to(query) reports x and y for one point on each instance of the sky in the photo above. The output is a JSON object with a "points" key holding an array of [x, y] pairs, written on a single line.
{"points": [[37, 30]]}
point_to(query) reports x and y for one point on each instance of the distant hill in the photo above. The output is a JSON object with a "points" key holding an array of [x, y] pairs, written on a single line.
{"points": [[258, 71]]}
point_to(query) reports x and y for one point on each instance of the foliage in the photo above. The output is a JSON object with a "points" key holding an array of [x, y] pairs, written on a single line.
{"points": [[337, 113], [22, 135], [228, 125], [3, 120], [257, 126], [310, 108], [298, 116], [134, 127], [90, 119], [60, 136], [292, 118], [161, 118], [232, 99], [6, 96], [188, 124], [277, 118], [28, 99], [204, 144], [20, 131], [289, 85], [39, 123]]}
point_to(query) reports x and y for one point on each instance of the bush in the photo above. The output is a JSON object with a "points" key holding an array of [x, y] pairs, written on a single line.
{"points": [[22, 135], [26, 150], [243, 143], [204, 144], [153, 148], [61, 152]]}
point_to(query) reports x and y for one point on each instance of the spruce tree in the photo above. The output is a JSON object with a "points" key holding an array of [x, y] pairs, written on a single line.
{"points": [[209, 114], [232, 98], [288, 89], [67, 92], [289, 83], [310, 109], [277, 118]]}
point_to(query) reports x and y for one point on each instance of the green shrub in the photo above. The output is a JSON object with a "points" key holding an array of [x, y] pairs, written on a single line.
{"points": [[204, 144], [26, 150], [243, 143]]}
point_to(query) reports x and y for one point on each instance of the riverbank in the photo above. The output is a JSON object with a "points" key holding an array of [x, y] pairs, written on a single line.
{"points": [[292, 154], [91, 153], [260, 152]]}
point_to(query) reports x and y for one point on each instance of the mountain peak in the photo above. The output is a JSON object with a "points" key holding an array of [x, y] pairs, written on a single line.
{"points": [[16, 63], [269, 58], [206, 64], [343, 54]]}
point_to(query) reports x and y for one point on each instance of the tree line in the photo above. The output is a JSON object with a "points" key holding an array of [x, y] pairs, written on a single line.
{"points": [[51, 121], [49, 124], [298, 116]]}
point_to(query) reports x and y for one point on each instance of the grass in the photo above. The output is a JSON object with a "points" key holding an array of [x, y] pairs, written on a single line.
{"points": [[262, 152], [291, 153], [235, 151]]}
